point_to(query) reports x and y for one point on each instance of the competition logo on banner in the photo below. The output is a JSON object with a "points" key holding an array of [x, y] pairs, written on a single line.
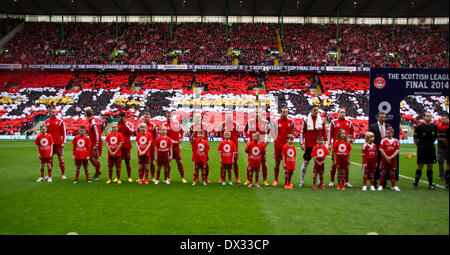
{"points": [[388, 87]]}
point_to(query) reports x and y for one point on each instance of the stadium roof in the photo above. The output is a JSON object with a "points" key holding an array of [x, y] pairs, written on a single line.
{"points": [[312, 8]]}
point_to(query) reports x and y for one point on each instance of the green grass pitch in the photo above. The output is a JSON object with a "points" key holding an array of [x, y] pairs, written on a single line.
{"points": [[27, 207]]}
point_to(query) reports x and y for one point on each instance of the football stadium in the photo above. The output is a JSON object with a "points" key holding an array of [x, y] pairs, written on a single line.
{"points": [[224, 117]]}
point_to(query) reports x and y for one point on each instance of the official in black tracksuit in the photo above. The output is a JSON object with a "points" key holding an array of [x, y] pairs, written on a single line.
{"points": [[425, 134]]}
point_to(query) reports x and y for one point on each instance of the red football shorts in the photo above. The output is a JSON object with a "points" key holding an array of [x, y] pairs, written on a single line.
{"points": [[114, 161], [46, 160], [126, 154], [277, 154], [58, 150], [318, 169], [143, 159], [176, 152], [371, 165], [79, 162], [162, 158], [342, 162], [389, 167]]}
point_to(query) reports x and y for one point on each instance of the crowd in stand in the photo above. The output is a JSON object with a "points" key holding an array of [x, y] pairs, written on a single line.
{"points": [[308, 45], [205, 43], [201, 44], [255, 41]]}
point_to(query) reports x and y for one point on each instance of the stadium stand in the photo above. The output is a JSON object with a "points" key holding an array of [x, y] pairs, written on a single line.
{"points": [[26, 96], [205, 43]]}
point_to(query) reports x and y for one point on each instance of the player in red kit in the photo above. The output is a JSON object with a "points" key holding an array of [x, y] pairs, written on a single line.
{"points": [[341, 151], [255, 150], [176, 133], [258, 125], [152, 128], [281, 128], [319, 153], [57, 129], [114, 142], [227, 151], [200, 156], [126, 128], [163, 154], [197, 126], [44, 144], [312, 126], [340, 123], [389, 148], [289, 153], [96, 141], [143, 145], [369, 153], [233, 127], [81, 151]]}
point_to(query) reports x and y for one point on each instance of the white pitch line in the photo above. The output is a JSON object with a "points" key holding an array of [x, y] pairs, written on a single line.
{"points": [[403, 176]]}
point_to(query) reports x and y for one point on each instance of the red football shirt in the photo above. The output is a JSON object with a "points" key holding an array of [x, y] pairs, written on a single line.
{"points": [[201, 148], [152, 128], [163, 143], [253, 126], [143, 140], [255, 152], [389, 146], [289, 154], [319, 152], [282, 128], [308, 137], [57, 129], [369, 151], [81, 146], [126, 129], [227, 150], [44, 143], [342, 148], [174, 130], [95, 133], [233, 127], [114, 140], [337, 124]]}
